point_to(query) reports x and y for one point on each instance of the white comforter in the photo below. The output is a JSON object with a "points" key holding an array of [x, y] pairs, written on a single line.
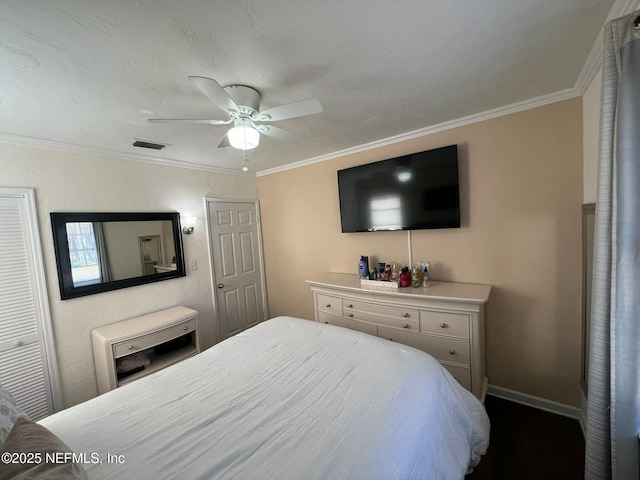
{"points": [[287, 399]]}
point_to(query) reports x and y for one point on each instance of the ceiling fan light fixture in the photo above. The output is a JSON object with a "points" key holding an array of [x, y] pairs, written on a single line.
{"points": [[241, 104], [243, 137]]}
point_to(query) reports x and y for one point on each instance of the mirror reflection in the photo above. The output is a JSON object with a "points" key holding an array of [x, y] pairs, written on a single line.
{"points": [[97, 252], [105, 251]]}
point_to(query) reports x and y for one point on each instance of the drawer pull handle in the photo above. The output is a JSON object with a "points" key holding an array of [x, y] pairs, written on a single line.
{"points": [[350, 306], [443, 325], [349, 315], [131, 347], [328, 305], [405, 314], [405, 325], [452, 351]]}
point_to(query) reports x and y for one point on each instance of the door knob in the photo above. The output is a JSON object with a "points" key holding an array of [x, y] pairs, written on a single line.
{"points": [[221, 285]]}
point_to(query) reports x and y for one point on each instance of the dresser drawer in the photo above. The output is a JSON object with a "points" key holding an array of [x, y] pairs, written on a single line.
{"points": [[348, 323], [461, 374], [442, 348], [329, 304], [444, 323], [447, 320], [406, 318], [152, 339]]}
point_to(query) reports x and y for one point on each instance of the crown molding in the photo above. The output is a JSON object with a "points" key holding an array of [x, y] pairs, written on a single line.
{"points": [[589, 70], [34, 142], [592, 65], [460, 122]]}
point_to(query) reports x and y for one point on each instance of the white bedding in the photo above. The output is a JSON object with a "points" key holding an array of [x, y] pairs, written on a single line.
{"points": [[287, 399]]}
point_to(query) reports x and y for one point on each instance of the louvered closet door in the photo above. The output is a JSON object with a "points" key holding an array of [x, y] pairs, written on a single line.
{"points": [[24, 364]]}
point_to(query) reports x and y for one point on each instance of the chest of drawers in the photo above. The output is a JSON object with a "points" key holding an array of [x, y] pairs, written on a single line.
{"points": [[445, 320]]}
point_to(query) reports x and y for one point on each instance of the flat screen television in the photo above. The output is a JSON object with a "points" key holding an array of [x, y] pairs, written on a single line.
{"points": [[412, 192]]}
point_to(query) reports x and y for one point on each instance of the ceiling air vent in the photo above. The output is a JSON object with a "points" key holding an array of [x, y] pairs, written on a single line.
{"points": [[151, 145]]}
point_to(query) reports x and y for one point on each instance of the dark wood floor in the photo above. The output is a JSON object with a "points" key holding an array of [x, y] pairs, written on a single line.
{"points": [[530, 444]]}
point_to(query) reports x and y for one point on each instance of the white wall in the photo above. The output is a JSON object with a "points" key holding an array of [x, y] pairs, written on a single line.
{"points": [[66, 182], [590, 138]]}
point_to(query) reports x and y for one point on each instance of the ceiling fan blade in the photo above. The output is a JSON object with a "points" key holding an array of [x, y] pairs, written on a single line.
{"points": [[291, 110], [278, 133], [188, 120], [215, 93], [224, 143]]}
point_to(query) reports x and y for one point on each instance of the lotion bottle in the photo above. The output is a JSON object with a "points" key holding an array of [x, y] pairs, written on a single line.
{"points": [[363, 267]]}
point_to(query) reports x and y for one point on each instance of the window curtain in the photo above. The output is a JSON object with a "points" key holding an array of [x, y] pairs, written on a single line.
{"points": [[103, 254], [613, 402]]}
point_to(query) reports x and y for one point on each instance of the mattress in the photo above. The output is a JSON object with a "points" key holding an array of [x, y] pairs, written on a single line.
{"points": [[286, 399]]}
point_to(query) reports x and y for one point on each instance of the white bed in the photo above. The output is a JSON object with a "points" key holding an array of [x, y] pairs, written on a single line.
{"points": [[287, 399]]}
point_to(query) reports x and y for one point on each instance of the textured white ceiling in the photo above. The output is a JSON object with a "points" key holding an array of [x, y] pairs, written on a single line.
{"points": [[89, 73]]}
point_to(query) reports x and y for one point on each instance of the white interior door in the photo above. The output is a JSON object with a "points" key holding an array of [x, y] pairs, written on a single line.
{"points": [[27, 357], [238, 272], [150, 253]]}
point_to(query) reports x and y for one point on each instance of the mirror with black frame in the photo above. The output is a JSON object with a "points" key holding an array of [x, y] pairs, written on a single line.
{"points": [[98, 252]]}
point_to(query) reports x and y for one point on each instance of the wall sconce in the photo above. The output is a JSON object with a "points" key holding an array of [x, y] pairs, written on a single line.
{"points": [[189, 225]]}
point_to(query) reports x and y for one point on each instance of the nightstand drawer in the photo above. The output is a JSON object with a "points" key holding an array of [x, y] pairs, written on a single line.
{"points": [[442, 348], [152, 339], [382, 315], [445, 323], [329, 304]]}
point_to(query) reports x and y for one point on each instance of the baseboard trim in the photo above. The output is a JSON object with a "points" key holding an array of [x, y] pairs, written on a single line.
{"points": [[537, 402], [583, 414]]}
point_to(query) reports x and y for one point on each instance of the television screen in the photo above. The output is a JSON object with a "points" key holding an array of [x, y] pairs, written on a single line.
{"points": [[417, 191]]}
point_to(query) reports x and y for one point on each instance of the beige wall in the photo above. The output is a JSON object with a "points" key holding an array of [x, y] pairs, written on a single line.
{"points": [[521, 194], [74, 182]]}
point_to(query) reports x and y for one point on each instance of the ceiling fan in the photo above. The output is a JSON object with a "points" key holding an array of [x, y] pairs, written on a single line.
{"points": [[241, 104]]}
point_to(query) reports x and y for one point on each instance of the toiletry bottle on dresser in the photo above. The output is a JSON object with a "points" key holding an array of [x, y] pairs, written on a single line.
{"points": [[426, 267], [417, 275], [405, 277], [363, 267], [393, 276]]}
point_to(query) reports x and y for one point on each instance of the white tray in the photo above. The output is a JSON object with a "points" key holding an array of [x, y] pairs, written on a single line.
{"points": [[378, 285]]}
